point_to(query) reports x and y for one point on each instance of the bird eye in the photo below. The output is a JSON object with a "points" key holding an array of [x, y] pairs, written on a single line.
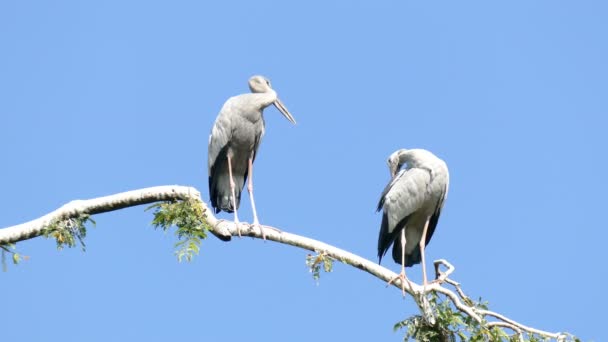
{"points": [[268, 83]]}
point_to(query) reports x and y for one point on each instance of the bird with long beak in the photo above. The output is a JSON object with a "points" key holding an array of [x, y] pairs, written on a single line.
{"points": [[233, 145]]}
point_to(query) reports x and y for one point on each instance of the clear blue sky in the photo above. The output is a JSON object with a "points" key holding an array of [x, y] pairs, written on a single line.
{"points": [[104, 97]]}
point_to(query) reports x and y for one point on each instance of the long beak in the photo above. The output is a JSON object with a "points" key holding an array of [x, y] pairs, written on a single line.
{"points": [[281, 107], [393, 170]]}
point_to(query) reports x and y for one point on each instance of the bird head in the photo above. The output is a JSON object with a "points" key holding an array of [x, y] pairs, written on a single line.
{"points": [[259, 84], [394, 162]]}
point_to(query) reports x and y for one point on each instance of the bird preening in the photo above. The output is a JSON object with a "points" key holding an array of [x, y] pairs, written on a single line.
{"points": [[233, 145], [411, 202], [411, 205]]}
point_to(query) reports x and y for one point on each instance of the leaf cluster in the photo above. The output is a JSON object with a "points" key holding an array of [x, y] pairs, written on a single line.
{"points": [[452, 325], [316, 262], [10, 248], [69, 231], [188, 217]]}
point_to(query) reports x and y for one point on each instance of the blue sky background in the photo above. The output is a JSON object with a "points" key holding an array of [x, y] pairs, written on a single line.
{"points": [[102, 97]]}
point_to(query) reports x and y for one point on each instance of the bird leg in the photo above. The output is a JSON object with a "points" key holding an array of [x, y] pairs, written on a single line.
{"points": [[422, 245], [401, 275], [256, 222], [232, 189]]}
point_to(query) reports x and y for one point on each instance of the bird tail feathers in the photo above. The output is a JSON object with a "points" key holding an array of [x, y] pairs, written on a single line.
{"points": [[221, 195], [385, 239]]}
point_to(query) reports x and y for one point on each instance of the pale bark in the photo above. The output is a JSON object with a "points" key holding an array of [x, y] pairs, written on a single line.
{"points": [[224, 229], [100, 205]]}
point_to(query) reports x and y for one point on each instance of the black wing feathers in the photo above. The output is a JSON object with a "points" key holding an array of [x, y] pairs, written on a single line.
{"points": [[214, 191], [435, 218]]}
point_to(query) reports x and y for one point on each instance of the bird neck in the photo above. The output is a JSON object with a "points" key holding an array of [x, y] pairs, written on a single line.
{"points": [[405, 157], [413, 159], [263, 100]]}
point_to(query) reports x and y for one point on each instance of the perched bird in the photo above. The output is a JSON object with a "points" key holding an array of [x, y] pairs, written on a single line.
{"points": [[411, 205], [233, 145]]}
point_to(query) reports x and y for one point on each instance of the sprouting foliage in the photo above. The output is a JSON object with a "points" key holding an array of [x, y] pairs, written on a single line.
{"points": [[10, 248], [70, 231], [66, 232], [315, 262], [445, 327], [189, 218], [452, 325]]}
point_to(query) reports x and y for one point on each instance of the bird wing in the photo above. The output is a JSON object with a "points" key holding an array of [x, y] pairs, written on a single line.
{"points": [[221, 133], [387, 188], [435, 217], [219, 140], [405, 194]]}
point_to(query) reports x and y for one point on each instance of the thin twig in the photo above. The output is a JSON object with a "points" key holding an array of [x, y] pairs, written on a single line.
{"points": [[503, 318], [440, 275], [504, 325]]}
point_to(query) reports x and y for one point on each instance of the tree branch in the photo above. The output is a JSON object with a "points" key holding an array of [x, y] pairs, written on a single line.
{"points": [[100, 205], [225, 229]]}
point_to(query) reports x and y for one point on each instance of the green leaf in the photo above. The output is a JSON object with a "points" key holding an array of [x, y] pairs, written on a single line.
{"points": [[69, 231], [315, 262], [189, 218]]}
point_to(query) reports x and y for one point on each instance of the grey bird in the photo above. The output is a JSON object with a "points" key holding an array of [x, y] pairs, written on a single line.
{"points": [[411, 204], [233, 146]]}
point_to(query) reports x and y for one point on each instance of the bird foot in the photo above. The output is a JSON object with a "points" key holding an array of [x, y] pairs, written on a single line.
{"points": [[403, 280], [228, 224], [238, 228], [262, 229], [257, 225]]}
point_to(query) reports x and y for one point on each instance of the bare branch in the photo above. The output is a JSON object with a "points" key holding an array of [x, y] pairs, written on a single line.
{"points": [[520, 326], [504, 325], [441, 276], [224, 230], [504, 321]]}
